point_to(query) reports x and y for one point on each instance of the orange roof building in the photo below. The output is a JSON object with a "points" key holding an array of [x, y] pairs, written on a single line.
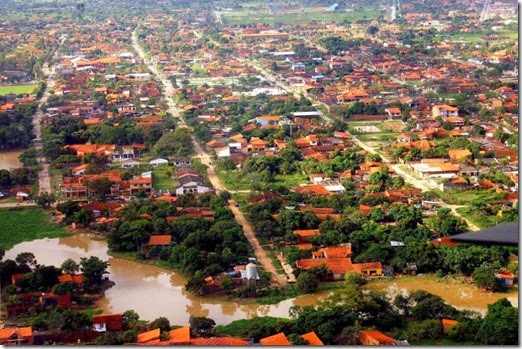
{"points": [[161, 240], [367, 337], [276, 339], [149, 336], [312, 338], [180, 334], [16, 336], [447, 324]]}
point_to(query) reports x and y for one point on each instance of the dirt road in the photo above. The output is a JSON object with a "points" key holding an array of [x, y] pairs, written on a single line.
{"points": [[205, 158], [260, 253]]}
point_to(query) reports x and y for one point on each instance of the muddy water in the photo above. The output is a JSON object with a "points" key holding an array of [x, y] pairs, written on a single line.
{"points": [[9, 159], [150, 291], [153, 292], [459, 295]]}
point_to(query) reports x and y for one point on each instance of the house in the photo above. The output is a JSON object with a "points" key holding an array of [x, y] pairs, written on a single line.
{"points": [[223, 152], [16, 336], [130, 163], [140, 184], [180, 335], [435, 169], [158, 162], [150, 337], [393, 112], [367, 337], [458, 155], [190, 183], [444, 110], [276, 339], [305, 235], [506, 278], [447, 324], [312, 338], [160, 240], [79, 170], [182, 160], [107, 322]]}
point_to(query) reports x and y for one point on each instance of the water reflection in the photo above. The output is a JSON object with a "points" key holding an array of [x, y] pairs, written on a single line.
{"points": [[9, 159], [461, 296], [150, 291], [153, 292]]}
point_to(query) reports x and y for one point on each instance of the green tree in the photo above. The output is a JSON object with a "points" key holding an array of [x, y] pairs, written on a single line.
{"points": [[93, 268], [296, 339], [201, 326], [45, 200], [63, 288], [162, 323], [500, 325], [306, 283], [196, 284], [484, 277], [130, 320], [226, 283]]}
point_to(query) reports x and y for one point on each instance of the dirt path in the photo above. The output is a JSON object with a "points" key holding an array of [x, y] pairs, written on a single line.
{"points": [[205, 158], [260, 253]]}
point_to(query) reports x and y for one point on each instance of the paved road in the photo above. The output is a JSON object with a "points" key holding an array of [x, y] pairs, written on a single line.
{"points": [[205, 158]]}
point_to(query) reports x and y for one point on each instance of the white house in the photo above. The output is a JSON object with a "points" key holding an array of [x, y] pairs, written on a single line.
{"points": [[223, 152], [158, 162], [130, 163]]}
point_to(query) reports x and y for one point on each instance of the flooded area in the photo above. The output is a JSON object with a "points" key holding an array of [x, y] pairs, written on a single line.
{"points": [[9, 159], [151, 291], [459, 295]]}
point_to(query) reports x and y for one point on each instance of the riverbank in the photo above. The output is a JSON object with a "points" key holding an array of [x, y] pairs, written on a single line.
{"points": [[27, 224]]}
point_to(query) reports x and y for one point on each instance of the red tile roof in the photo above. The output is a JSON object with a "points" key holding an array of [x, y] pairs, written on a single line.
{"points": [[149, 336], [378, 336], [160, 240], [276, 339], [180, 334], [312, 338]]}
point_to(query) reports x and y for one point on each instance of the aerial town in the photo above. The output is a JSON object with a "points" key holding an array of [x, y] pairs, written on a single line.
{"points": [[223, 172]]}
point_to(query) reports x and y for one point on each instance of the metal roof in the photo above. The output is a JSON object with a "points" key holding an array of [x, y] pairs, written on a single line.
{"points": [[502, 234]]}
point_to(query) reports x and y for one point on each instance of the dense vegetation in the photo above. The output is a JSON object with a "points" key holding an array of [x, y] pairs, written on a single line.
{"points": [[199, 247], [16, 127]]}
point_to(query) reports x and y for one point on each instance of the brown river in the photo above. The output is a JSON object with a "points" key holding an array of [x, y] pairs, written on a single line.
{"points": [[153, 292], [9, 159]]}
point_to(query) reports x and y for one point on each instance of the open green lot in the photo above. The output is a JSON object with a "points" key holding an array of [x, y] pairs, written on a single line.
{"points": [[16, 89], [251, 17], [464, 197], [162, 178], [26, 224], [236, 181]]}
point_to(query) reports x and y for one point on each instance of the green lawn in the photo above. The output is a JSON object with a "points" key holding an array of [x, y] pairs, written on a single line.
{"points": [[26, 224], [235, 180], [249, 17], [480, 220], [161, 179], [463, 197], [16, 89]]}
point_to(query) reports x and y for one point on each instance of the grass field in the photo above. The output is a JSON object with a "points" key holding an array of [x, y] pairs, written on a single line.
{"points": [[463, 197], [236, 181], [251, 17], [16, 89], [26, 224], [161, 180]]}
